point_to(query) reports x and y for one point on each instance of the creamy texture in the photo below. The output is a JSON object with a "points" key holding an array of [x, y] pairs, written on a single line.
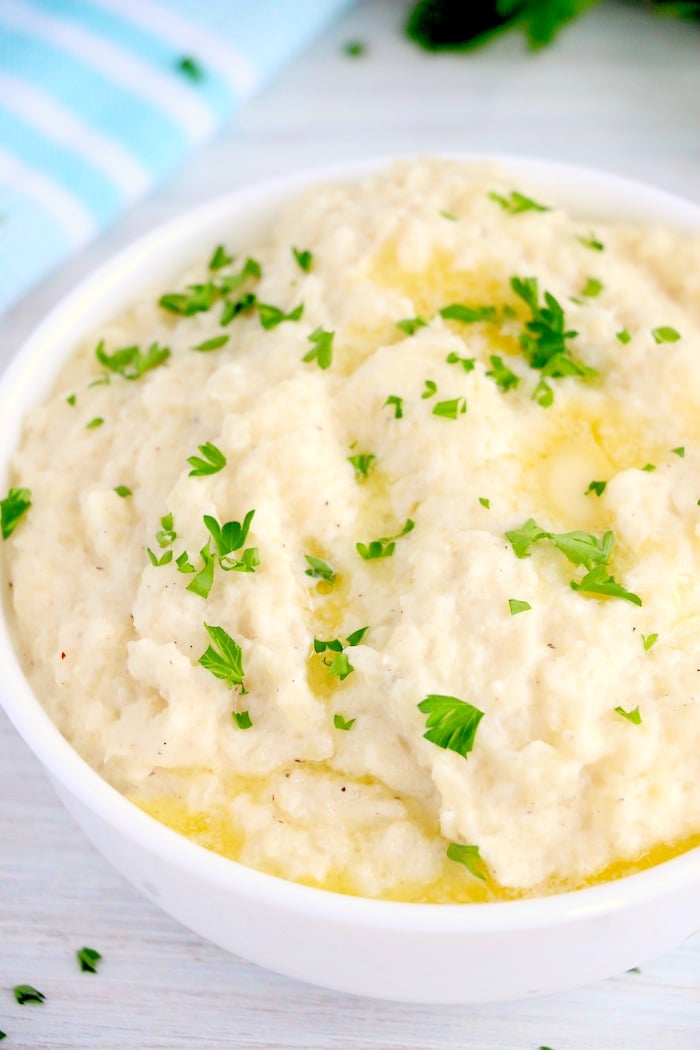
{"points": [[558, 787]]}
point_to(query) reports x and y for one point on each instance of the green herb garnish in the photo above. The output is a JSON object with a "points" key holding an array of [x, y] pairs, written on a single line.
{"points": [[322, 348], [242, 719], [451, 409], [71, 399], [581, 548], [516, 606], [467, 363], [231, 310], [501, 374], [450, 216], [623, 335], [319, 569], [592, 242], [468, 314], [485, 502], [123, 491], [451, 723], [94, 423], [430, 389], [213, 344], [88, 959], [340, 723], [649, 468], [596, 486], [224, 659], [680, 451], [12, 509], [411, 324], [211, 461], [190, 68], [383, 548], [397, 403], [355, 48], [648, 640], [633, 716], [664, 334], [24, 993], [592, 287], [220, 258], [304, 258], [516, 203], [362, 462], [203, 582], [164, 559], [129, 362], [271, 316], [599, 582], [339, 664], [468, 856], [229, 538]]}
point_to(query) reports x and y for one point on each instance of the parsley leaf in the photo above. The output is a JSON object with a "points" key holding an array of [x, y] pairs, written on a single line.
{"points": [[468, 314], [411, 324], [362, 462], [468, 856], [166, 535], [649, 468], [211, 462], [430, 389], [88, 959], [12, 509], [623, 335], [229, 538], [451, 409], [451, 723], [319, 569], [71, 399], [450, 216], [384, 547], [24, 993], [340, 723], [648, 640], [123, 491], [271, 316], [633, 716], [516, 606], [680, 451], [598, 581], [164, 559], [592, 242], [231, 310], [130, 362], [356, 637], [397, 403], [220, 258], [339, 664], [664, 334], [304, 258], [501, 374], [485, 502], [467, 363], [322, 348], [242, 719], [198, 298], [581, 548], [212, 344], [592, 287], [517, 203], [596, 486], [224, 659], [190, 68], [354, 48], [204, 580], [94, 423]]}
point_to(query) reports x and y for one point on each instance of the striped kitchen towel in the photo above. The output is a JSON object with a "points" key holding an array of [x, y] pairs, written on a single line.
{"points": [[101, 98]]}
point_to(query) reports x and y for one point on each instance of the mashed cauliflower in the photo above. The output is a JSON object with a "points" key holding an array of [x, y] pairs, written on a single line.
{"points": [[453, 653]]}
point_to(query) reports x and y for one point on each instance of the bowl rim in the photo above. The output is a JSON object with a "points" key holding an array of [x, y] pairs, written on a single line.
{"points": [[63, 762]]}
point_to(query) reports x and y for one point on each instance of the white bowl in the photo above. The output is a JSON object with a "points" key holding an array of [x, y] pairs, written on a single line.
{"points": [[412, 952]]}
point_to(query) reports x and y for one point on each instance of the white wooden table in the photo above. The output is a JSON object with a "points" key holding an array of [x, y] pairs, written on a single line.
{"points": [[620, 91]]}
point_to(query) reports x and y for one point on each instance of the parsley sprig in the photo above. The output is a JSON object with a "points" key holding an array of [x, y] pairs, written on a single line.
{"points": [[129, 362], [384, 547], [468, 856], [12, 509], [516, 202], [319, 569], [199, 298], [451, 723], [224, 658], [211, 461], [321, 348], [88, 958], [339, 663]]}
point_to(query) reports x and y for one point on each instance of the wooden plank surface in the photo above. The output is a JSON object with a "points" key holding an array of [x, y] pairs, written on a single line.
{"points": [[620, 91]]}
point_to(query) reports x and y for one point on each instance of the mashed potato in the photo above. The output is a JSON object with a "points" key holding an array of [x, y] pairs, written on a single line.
{"points": [[453, 653]]}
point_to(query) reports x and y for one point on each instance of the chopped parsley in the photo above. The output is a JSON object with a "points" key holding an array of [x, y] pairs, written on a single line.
{"points": [[355, 48], [516, 202], [648, 640], [204, 579], [544, 342], [198, 298], [319, 569], [190, 68], [213, 344], [468, 856], [409, 325], [164, 559], [231, 310], [362, 462], [94, 423], [633, 716], [229, 538], [340, 723], [397, 403], [430, 389], [599, 582], [649, 468], [220, 258], [88, 959], [516, 606], [664, 334], [166, 535], [450, 216], [501, 374], [123, 491], [129, 362], [339, 663], [468, 314], [485, 502], [384, 547], [457, 406], [623, 335], [211, 461], [224, 659], [71, 399], [451, 723], [242, 719], [24, 993], [304, 258], [591, 242], [592, 287], [321, 348], [467, 363], [680, 451], [12, 509], [271, 316], [596, 486]]}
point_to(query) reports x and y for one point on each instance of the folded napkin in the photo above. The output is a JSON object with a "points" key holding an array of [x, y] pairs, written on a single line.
{"points": [[99, 99]]}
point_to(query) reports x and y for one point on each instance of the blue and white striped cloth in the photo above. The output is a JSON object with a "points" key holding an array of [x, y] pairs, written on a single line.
{"points": [[95, 106]]}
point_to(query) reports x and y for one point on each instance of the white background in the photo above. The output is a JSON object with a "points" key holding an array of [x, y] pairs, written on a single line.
{"points": [[620, 91]]}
